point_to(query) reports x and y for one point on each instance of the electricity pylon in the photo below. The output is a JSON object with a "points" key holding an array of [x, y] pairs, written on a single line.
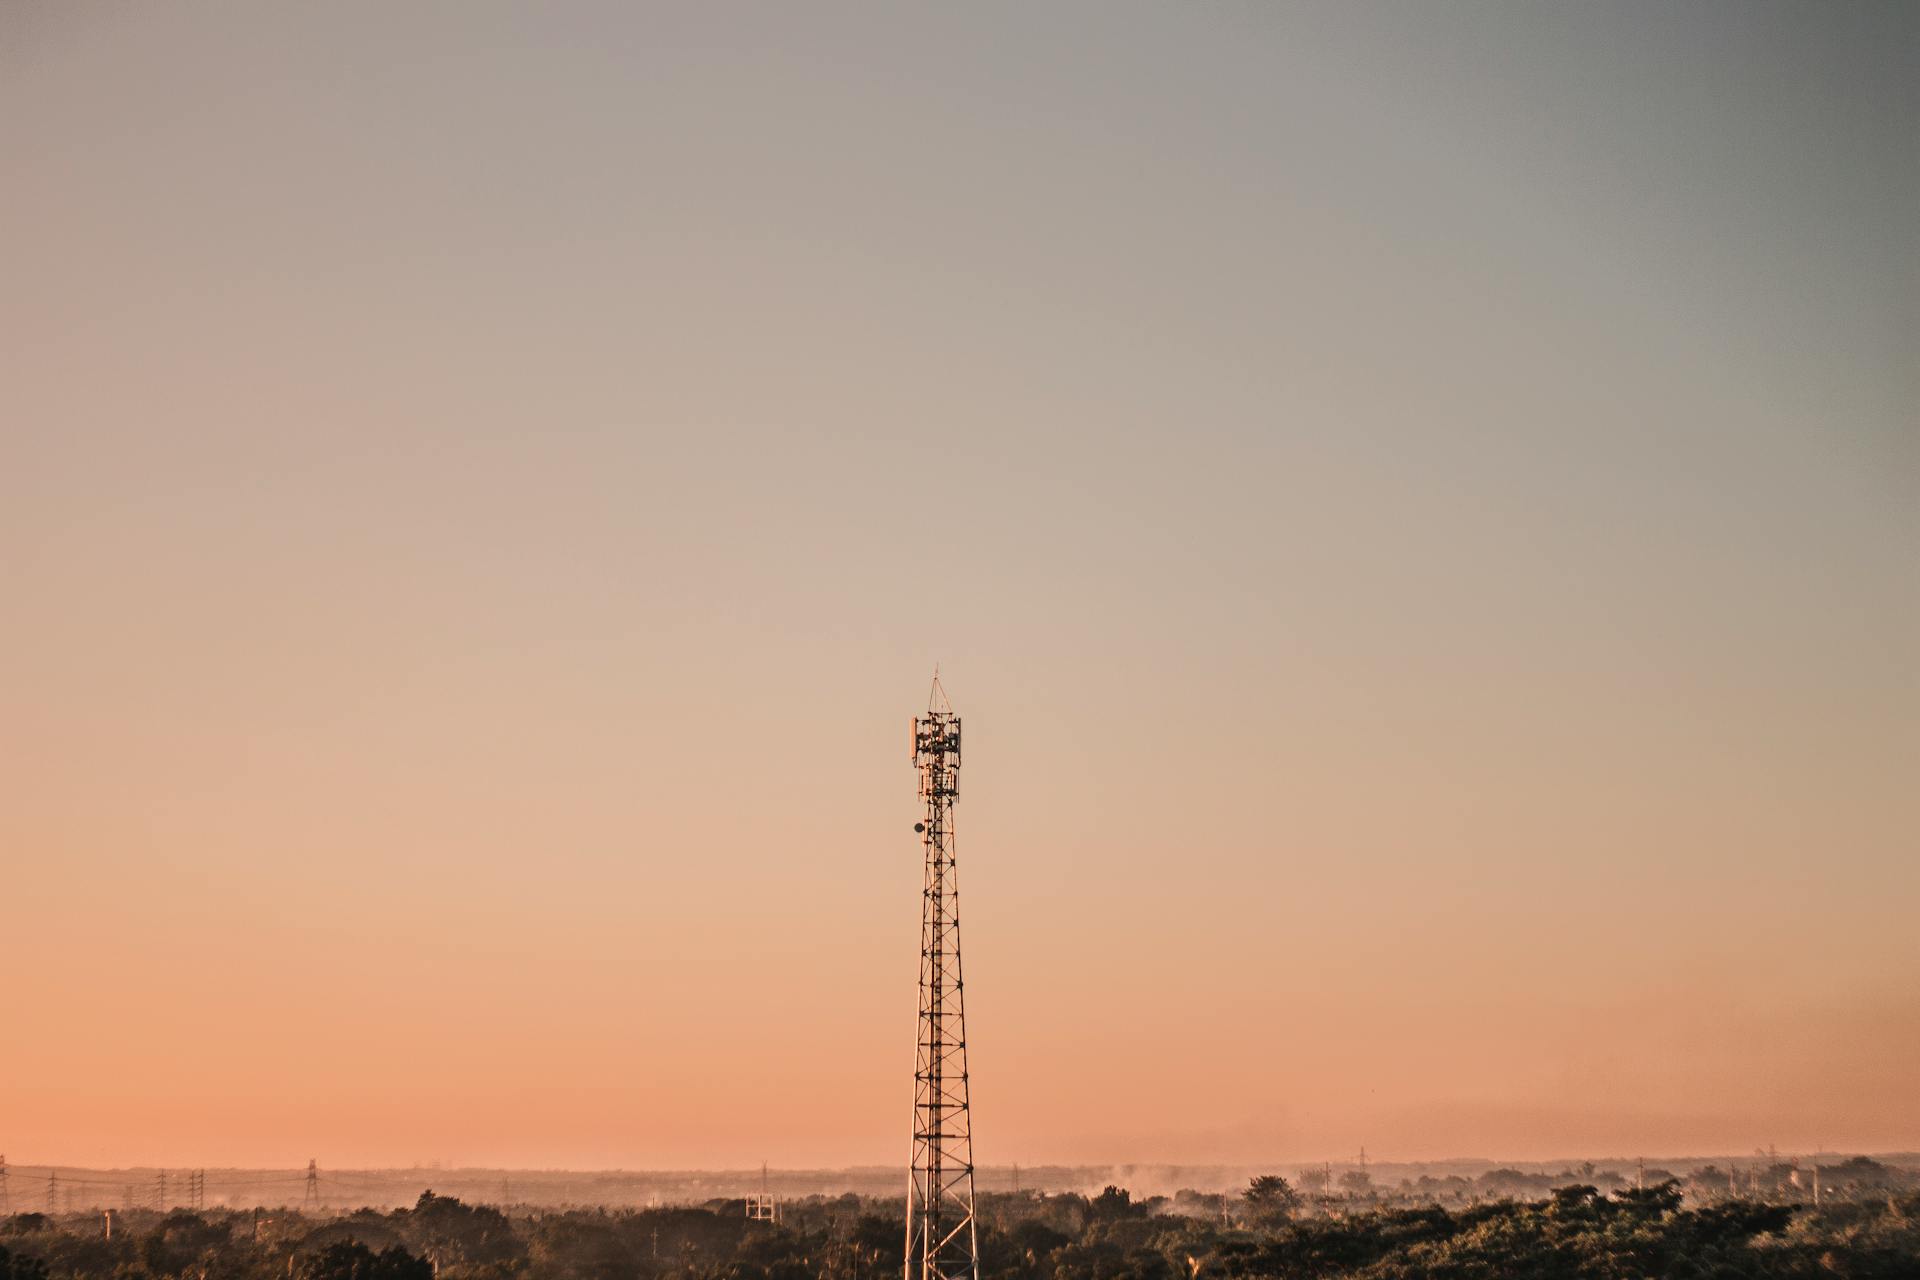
{"points": [[942, 1242]]}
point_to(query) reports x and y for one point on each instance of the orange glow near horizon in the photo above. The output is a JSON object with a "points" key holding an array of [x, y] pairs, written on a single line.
{"points": [[1420, 528]]}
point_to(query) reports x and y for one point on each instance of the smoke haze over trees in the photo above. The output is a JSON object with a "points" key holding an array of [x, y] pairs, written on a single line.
{"points": [[1867, 1225]]}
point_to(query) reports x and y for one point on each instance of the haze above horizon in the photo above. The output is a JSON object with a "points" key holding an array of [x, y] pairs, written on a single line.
{"points": [[1418, 507]]}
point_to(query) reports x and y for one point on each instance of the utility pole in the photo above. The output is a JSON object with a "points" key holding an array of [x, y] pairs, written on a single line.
{"points": [[160, 1191], [942, 1238], [53, 1192], [6, 1193], [312, 1198]]}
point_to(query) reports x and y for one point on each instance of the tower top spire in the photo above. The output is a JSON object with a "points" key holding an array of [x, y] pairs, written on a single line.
{"points": [[937, 703]]}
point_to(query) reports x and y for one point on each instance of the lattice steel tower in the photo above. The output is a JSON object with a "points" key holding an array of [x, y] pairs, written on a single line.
{"points": [[942, 1243]]}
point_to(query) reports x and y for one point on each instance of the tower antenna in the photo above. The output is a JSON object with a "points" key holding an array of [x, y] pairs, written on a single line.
{"points": [[942, 1240]]}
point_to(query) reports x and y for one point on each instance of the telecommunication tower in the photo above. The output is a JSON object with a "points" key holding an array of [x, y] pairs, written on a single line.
{"points": [[942, 1242]]}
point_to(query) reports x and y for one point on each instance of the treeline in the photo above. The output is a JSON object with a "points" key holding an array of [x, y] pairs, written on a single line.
{"points": [[1574, 1233], [1768, 1181]]}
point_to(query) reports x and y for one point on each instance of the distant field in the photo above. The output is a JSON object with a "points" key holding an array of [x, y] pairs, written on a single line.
{"points": [[74, 1187]]}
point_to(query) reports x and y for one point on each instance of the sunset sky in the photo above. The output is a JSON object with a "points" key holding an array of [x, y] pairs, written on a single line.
{"points": [[1417, 504]]}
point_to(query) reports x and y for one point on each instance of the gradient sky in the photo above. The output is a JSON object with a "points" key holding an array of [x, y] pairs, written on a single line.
{"points": [[1418, 505]]}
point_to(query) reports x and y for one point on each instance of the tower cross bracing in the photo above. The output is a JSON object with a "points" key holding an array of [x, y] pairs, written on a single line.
{"points": [[942, 1242]]}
